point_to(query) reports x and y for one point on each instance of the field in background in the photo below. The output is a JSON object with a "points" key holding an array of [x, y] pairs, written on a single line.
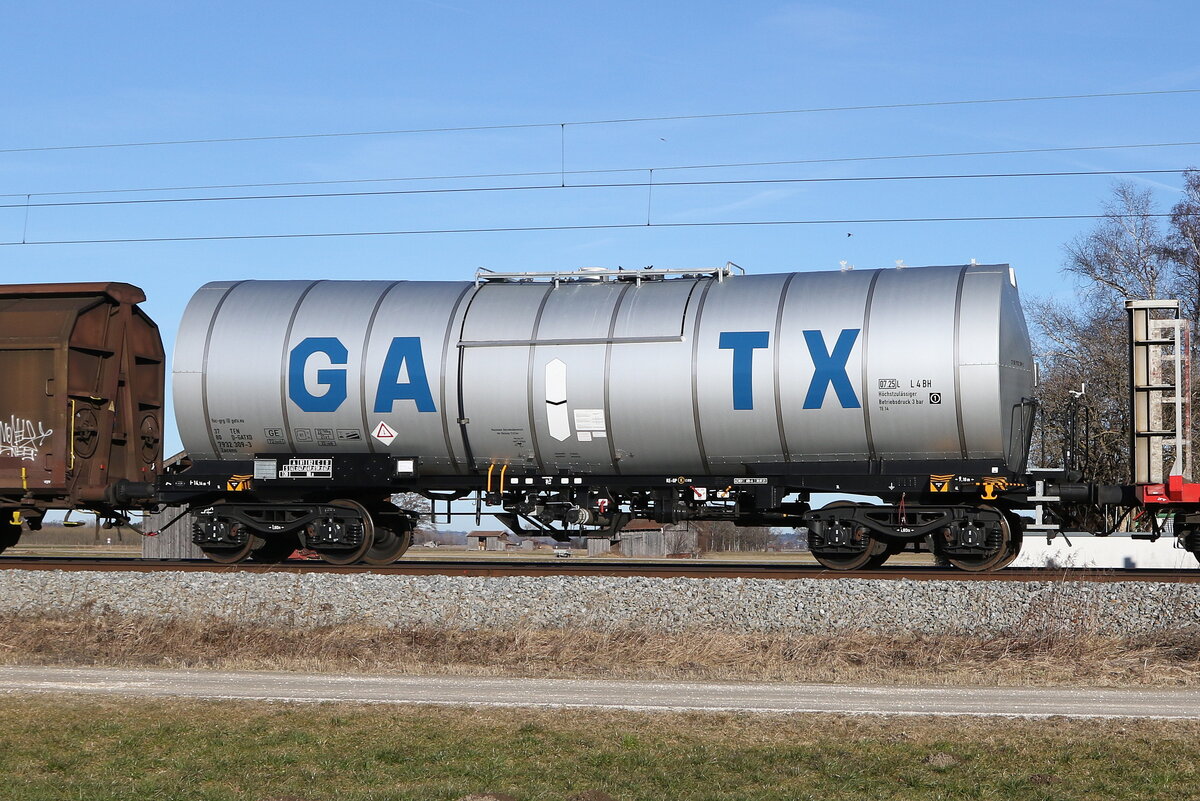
{"points": [[87, 541], [127, 750], [88, 534], [1114, 552]]}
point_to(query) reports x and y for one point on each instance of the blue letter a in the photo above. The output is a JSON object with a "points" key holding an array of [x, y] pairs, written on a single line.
{"points": [[830, 369], [403, 351]]}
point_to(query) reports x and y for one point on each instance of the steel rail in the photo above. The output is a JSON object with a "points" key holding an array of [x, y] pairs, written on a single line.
{"points": [[541, 567]]}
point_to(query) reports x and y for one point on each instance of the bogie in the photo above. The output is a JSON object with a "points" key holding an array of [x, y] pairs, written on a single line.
{"points": [[842, 543], [341, 531], [847, 536], [228, 543]]}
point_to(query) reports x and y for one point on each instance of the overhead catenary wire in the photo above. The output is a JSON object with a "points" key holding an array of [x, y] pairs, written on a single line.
{"points": [[607, 170], [612, 121], [622, 185], [594, 227]]}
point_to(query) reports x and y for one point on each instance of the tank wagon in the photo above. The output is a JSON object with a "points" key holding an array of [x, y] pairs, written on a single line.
{"points": [[576, 400], [568, 403]]}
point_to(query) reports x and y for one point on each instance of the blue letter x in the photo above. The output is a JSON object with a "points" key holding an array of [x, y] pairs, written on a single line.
{"points": [[830, 368]]}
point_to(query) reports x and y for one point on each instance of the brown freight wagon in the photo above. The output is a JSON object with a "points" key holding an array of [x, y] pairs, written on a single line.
{"points": [[81, 400]]}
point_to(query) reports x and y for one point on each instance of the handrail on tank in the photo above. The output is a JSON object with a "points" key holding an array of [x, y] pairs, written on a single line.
{"points": [[483, 274]]}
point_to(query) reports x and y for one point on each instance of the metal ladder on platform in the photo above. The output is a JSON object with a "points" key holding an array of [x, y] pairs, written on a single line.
{"points": [[1159, 389], [1160, 410]]}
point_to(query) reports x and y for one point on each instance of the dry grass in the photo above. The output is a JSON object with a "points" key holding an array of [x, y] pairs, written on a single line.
{"points": [[1044, 657]]}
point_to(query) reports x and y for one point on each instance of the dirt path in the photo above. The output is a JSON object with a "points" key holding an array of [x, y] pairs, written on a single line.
{"points": [[644, 696]]}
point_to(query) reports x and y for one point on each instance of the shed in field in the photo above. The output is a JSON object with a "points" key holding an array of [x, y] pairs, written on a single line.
{"points": [[488, 541], [645, 538], [601, 546], [173, 540]]}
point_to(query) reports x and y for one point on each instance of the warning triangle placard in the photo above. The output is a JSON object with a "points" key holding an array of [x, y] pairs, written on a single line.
{"points": [[383, 433]]}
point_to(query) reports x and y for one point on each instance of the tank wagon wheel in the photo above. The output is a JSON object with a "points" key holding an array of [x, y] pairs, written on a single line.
{"points": [[1004, 554], [1016, 539], [393, 535], [881, 552], [1190, 540], [229, 556], [873, 556], [348, 556], [275, 550], [389, 545]]}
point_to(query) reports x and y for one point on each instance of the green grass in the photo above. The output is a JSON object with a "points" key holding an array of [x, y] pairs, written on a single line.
{"points": [[55, 747]]}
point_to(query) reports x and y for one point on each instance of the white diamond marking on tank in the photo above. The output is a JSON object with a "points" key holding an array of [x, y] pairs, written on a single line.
{"points": [[557, 420], [384, 433]]}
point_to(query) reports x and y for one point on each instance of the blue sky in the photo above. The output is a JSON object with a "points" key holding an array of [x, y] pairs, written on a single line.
{"points": [[84, 73]]}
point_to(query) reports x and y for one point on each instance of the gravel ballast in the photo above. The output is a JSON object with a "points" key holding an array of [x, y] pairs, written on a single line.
{"points": [[802, 606]]}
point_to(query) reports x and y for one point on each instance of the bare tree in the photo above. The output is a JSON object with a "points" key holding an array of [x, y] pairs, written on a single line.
{"points": [[1183, 248], [711, 535], [755, 538], [680, 539], [1080, 346], [419, 506], [721, 535], [1127, 255]]}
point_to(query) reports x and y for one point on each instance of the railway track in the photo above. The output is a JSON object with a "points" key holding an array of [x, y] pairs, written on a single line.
{"points": [[541, 567]]}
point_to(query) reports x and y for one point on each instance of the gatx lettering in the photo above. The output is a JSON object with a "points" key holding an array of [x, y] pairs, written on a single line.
{"points": [[402, 377], [829, 366]]}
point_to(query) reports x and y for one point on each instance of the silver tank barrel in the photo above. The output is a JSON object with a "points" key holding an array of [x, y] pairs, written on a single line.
{"points": [[716, 374]]}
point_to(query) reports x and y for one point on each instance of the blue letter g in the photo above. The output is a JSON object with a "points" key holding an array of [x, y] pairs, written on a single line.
{"points": [[335, 380]]}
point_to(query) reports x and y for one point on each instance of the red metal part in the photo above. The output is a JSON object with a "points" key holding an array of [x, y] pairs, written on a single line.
{"points": [[1175, 491]]}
